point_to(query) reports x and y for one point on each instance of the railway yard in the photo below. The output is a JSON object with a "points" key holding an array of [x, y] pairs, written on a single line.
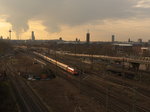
{"points": [[114, 86], [74, 56], [55, 82]]}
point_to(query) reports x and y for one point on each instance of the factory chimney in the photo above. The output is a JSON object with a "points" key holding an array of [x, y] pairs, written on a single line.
{"points": [[88, 37], [33, 36]]}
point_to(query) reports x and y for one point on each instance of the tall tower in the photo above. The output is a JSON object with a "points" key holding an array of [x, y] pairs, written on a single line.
{"points": [[113, 38], [88, 37], [33, 36], [10, 34]]}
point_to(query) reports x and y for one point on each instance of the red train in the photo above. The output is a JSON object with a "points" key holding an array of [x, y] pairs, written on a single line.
{"points": [[59, 64]]}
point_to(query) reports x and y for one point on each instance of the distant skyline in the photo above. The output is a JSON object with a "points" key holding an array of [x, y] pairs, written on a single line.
{"points": [[70, 19]]}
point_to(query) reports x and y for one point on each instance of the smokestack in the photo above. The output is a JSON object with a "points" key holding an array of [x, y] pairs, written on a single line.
{"points": [[88, 37], [33, 36]]}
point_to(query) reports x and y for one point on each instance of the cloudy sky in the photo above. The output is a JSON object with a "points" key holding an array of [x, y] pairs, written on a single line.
{"points": [[71, 19]]}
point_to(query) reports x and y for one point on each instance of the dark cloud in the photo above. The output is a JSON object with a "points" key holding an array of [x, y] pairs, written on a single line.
{"points": [[55, 13]]}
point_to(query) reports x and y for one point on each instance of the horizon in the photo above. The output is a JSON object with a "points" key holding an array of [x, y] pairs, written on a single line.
{"points": [[71, 19]]}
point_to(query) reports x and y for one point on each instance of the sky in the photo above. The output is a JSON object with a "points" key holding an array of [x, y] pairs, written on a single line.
{"points": [[70, 19]]}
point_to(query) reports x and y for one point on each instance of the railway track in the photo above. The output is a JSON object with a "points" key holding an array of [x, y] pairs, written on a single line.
{"points": [[99, 95], [126, 85], [28, 100], [119, 81]]}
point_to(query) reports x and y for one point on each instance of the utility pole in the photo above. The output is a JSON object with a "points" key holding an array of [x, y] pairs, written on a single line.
{"points": [[134, 99], [75, 48], [77, 109], [92, 61], [56, 57], [107, 99], [123, 72]]}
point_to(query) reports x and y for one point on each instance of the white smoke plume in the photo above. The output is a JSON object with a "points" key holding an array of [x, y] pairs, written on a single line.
{"points": [[55, 13]]}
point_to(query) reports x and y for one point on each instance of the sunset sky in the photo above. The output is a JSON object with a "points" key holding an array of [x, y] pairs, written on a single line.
{"points": [[70, 19]]}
